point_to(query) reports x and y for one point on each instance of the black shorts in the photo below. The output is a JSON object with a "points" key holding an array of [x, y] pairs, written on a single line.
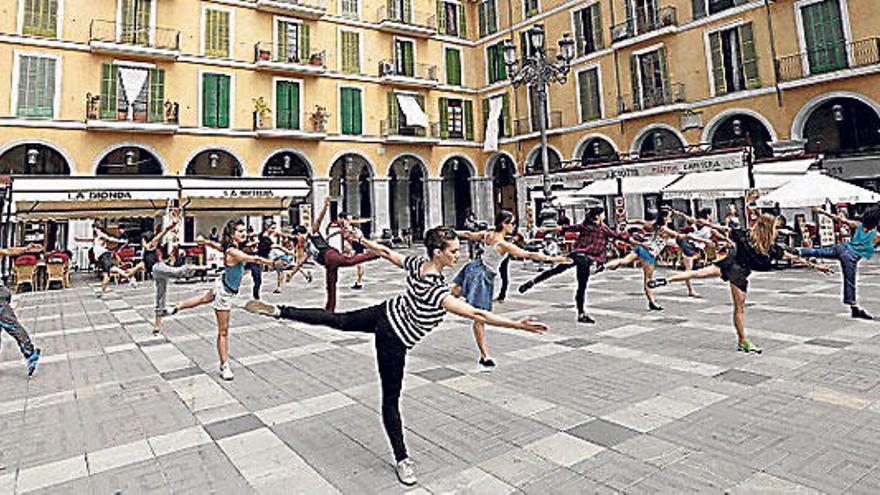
{"points": [[357, 247], [735, 273], [105, 262]]}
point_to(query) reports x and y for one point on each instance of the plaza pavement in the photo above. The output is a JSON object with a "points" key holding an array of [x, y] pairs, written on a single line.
{"points": [[638, 403]]}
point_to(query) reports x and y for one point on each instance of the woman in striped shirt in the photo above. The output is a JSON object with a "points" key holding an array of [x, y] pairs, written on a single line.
{"points": [[401, 322]]}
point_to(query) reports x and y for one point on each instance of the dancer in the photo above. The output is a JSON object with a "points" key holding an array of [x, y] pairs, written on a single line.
{"points": [[103, 256], [658, 236], [226, 287], [753, 250], [170, 267], [263, 249], [590, 247], [862, 245], [702, 239], [401, 322], [8, 320], [475, 282], [150, 250], [504, 272], [318, 248]]}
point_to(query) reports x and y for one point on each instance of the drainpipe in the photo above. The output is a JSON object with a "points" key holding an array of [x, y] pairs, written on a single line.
{"points": [[773, 53]]}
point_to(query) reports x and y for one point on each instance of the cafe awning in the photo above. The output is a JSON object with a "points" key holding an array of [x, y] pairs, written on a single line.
{"points": [[256, 196], [814, 189], [91, 197], [651, 184], [734, 182]]}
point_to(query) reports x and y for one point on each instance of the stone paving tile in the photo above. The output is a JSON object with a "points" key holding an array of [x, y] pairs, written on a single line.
{"points": [[181, 373], [838, 344], [233, 426], [743, 377], [438, 374], [602, 432]]}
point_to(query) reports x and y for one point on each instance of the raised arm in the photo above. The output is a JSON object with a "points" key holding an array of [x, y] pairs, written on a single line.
{"points": [[15, 251], [316, 225], [207, 242], [459, 307], [471, 236], [839, 217], [239, 255], [154, 243], [107, 237], [515, 251], [718, 228], [827, 270], [383, 251]]}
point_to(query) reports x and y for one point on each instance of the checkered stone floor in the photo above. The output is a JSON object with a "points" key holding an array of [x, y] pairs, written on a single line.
{"points": [[638, 403]]}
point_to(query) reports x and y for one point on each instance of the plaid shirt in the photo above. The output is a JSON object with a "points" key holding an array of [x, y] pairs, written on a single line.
{"points": [[592, 240]]}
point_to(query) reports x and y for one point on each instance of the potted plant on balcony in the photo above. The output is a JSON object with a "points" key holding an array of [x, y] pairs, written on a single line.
{"points": [[319, 119], [261, 112], [317, 59], [263, 54]]}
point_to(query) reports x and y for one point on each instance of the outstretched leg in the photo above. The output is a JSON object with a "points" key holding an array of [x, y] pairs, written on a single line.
{"points": [[626, 260], [195, 301], [546, 274]]}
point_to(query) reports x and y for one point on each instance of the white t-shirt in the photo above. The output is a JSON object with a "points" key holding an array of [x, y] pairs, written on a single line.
{"points": [[704, 233], [99, 247]]}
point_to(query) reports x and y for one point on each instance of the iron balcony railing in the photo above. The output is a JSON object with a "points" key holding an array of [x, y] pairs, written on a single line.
{"points": [[134, 34], [308, 4], [645, 20], [417, 71], [667, 94], [525, 125], [411, 17], [828, 58], [388, 128], [141, 111], [290, 53]]}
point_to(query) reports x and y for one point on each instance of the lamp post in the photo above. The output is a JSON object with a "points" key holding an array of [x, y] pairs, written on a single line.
{"points": [[537, 70], [748, 150]]}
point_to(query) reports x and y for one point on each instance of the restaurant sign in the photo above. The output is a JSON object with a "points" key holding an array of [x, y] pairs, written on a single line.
{"points": [[685, 165]]}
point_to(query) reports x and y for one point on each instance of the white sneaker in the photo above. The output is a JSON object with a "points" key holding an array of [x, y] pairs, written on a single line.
{"points": [[226, 372], [405, 472], [169, 310]]}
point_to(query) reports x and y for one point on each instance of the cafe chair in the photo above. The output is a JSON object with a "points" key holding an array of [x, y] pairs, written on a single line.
{"points": [[57, 270], [25, 270]]}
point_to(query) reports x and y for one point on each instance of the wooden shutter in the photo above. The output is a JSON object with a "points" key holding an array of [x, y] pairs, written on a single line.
{"points": [[356, 112], [407, 11], [209, 100], [491, 60], [157, 95], [596, 20], [24, 83], [36, 87], [408, 59], [217, 32], [350, 59], [505, 114], [579, 35], [462, 22], [281, 42], [749, 57], [485, 116], [664, 75], [282, 105], [223, 34], [345, 110], [441, 18], [636, 87], [293, 104], [469, 120], [109, 80], [223, 101], [444, 118], [717, 63], [304, 49], [40, 18], [392, 113], [492, 17], [698, 8], [421, 131]]}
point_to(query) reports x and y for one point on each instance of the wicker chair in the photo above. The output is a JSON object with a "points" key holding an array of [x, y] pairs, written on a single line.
{"points": [[25, 275]]}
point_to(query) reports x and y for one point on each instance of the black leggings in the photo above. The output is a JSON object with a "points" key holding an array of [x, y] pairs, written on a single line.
{"points": [[504, 271], [257, 275], [390, 356], [582, 263]]}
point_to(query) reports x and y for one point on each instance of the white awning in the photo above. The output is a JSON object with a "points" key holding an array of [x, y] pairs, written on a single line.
{"points": [[414, 114], [798, 167], [254, 196], [813, 189], [92, 197], [495, 107], [631, 185], [722, 184]]}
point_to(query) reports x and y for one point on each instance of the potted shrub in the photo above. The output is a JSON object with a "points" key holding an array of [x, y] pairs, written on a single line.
{"points": [[317, 59], [261, 112], [319, 119]]}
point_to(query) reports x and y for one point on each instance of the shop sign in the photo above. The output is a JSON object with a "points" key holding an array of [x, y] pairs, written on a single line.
{"points": [[99, 195], [685, 165], [248, 193]]}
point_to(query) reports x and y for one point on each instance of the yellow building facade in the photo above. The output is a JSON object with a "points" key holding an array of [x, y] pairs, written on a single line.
{"points": [[384, 104]]}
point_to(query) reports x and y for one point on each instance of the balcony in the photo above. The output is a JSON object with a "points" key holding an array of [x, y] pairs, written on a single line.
{"points": [[522, 125], [408, 23], [141, 118], [828, 60], [418, 76], [305, 9], [287, 60], [147, 42], [656, 21], [265, 127], [409, 134], [655, 98]]}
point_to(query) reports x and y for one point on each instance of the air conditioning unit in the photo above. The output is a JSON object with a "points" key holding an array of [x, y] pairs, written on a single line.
{"points": [[386, 68]]}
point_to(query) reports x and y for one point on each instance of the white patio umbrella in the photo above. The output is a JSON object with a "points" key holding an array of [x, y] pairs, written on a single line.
{"points": [[814, 189]]}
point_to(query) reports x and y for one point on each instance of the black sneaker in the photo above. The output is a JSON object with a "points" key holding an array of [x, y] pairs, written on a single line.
{"points": [[860, 314], [654, 307], [657, 282], [486, 364], [599, 268], [525, 287], [585, 318], [357, 286]]}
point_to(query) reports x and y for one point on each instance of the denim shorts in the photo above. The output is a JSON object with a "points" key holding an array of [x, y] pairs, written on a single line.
{"points": [[688, 248], [477, 284], [645, 255]]}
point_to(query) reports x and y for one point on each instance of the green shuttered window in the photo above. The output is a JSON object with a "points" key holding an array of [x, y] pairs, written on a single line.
{"points": [[488, 18], [215, 100], [216, 33], [350, 42], [453, 67], [40, 18], [496, 69], [588, 94], [36, 87], [351, 111], [287, 97]]}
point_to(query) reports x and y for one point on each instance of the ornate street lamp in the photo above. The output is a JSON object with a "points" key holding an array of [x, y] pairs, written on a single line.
{"points": [[536, 70]]}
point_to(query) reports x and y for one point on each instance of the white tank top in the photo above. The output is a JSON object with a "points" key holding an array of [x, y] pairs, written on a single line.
{"points": [[492, 258]]}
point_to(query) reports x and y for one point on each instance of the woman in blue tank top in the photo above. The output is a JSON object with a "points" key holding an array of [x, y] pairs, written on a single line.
{"points": [[226, 286], [861, 246]]}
